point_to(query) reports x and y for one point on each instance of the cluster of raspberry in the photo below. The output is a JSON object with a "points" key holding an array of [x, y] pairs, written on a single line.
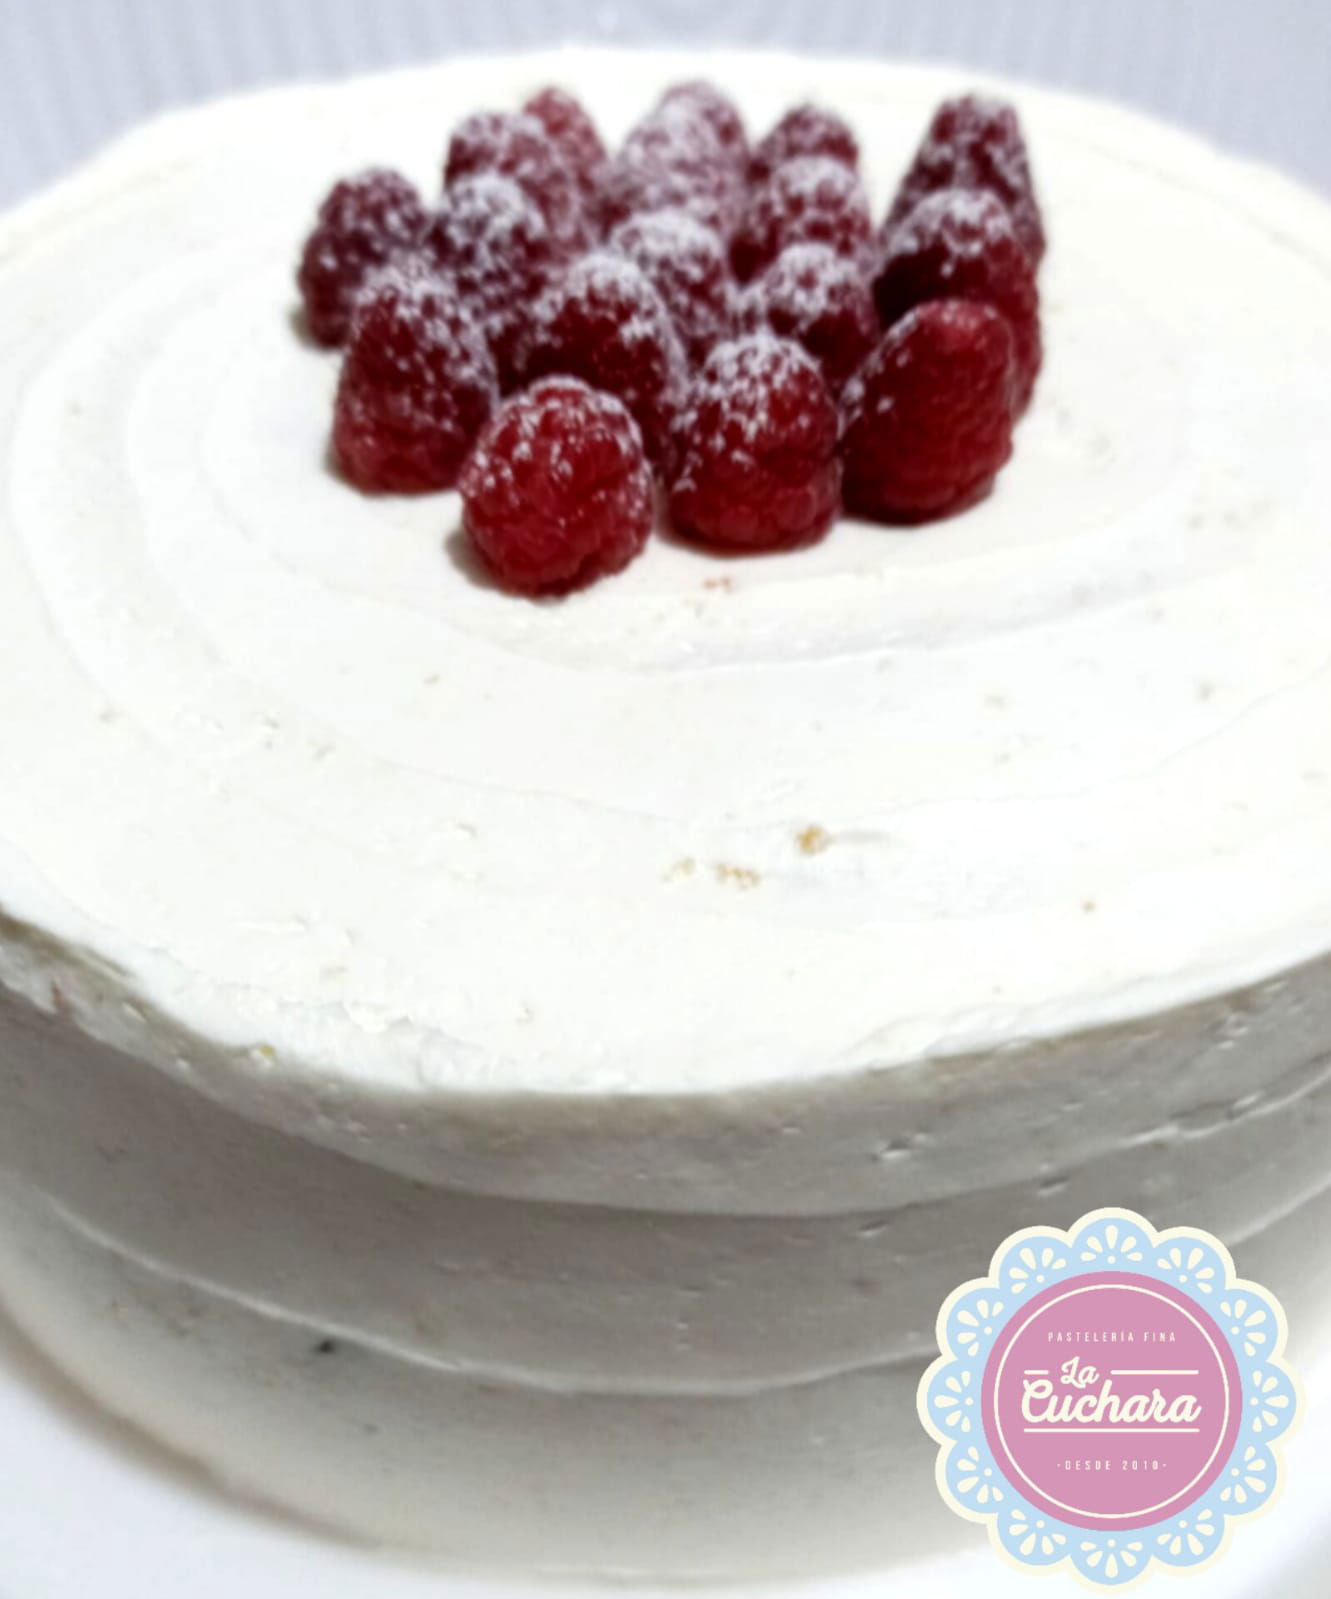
{"points": [[567, 331]]}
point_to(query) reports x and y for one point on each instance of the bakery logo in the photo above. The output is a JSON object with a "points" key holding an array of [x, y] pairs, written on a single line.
{"points": [[1109, 1397]]}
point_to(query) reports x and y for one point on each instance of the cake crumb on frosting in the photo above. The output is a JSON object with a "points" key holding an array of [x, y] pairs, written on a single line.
{"points": [[737, 876], [813, 840]]}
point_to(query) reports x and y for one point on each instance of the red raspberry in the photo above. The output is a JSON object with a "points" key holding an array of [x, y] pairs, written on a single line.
{"points": [[603, 322], [418, 383], [673, 159], [811, 200], [634, 186], [493, 242], [806, 130], [709, 105], [822, 301], [975, 143], [961, 244], [557, 491], [363, 223], [757, 449], [928, 421], [517, 146], [573, 134], [686, 264]]}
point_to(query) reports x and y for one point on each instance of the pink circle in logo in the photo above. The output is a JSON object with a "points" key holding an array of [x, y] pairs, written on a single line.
{"points": [[1112, 1401]]}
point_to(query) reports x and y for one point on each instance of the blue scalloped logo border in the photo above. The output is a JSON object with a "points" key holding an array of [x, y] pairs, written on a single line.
{"points": [[974, 1317]]}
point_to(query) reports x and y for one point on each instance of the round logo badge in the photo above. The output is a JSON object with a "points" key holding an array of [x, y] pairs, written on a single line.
{"points": [[1110, 1397]]}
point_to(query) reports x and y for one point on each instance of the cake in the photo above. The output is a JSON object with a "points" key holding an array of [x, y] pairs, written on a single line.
{"points": [[517, 1080]]}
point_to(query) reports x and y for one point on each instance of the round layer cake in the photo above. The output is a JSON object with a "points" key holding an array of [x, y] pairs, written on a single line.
{"points": [[518, 1079]]}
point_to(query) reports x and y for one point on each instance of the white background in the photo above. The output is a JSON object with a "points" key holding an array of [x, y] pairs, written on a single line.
{"points": [[76, 1496], [1255, 74]]}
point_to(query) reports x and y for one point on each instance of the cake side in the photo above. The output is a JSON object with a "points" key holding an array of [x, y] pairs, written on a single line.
{"points": [[573, 1387]]}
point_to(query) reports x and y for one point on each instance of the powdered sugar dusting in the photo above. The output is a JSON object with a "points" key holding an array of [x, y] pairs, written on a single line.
{"points": [[558, 491], [417, 383], [363, 221], [671, 236], [428, 320], [603, 321], [676, 133], [808, 279], [718, 112], [812, 199], [975, 142], [757, 443], [805, 130], [615, 287], [525, 422], [970, 220], [686, 263], [574, 133], [492, 239], [516, 145], [820, 299], [674, 158], [962, 243], [742, 375], [378, 196], [633, 185]]}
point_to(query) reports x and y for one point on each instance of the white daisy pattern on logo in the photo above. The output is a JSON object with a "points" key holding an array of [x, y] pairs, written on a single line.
{"points": [[1271, 1401], [1249, 1320], [1036, 1539], [954, 1403], [1189, 1536], [976, 1480], [1191, 1267], [975, 1325], [1249, 1478], [1113, 1560], [1034, 1263], [1111, 1245]]}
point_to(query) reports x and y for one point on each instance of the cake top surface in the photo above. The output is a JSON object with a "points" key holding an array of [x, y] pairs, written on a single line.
{"points": [[294, 796]]}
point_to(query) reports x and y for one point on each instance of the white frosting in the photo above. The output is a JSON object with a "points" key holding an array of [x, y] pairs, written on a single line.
{"points": [[704, 971]]}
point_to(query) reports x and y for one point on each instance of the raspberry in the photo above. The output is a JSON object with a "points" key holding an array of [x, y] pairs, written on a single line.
{"points": [[633, 187], [517, 146], [363, 223], [493, 242], [573, 134], [418, 382], [673, 159], [822, 301], [928, 421], [961, 244], [709, 105], [806, 130], [811, 200], [757, 449], [557, 491], [686, 264], [603, 322], [975, 143]]}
